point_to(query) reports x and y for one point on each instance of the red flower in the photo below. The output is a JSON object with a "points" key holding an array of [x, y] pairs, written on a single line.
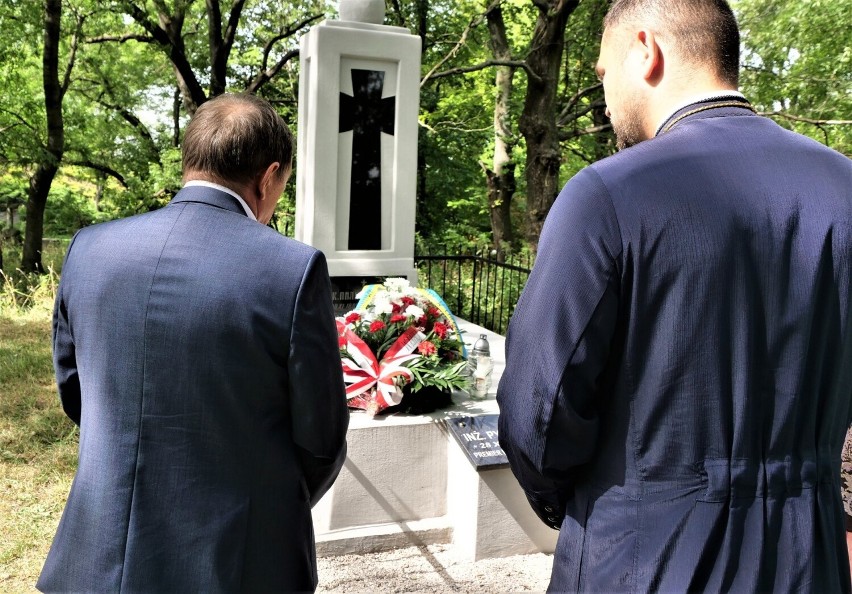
{"points": [[441, 330], [353, 317], [422, 321], [376, 326], [434, 312], [406, 301], [396, 308], [426, 348], [341, 342], [397, 318]]}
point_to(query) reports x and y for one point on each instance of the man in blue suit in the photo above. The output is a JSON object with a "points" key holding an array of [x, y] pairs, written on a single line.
{"points": [[197, 351], [678, 380]]}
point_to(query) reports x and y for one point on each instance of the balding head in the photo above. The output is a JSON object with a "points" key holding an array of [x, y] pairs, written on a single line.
{"points": [[232, 139], [703, 33]]}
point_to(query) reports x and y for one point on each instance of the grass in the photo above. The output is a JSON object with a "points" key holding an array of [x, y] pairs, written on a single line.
{"points": [[38, 444]]}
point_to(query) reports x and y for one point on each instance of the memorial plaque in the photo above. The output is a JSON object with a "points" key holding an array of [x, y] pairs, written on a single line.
{"points": [[345, 288], [477, 436]]}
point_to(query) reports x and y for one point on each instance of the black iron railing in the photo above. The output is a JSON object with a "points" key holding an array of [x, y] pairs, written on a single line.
{"points": [[478, 287]]}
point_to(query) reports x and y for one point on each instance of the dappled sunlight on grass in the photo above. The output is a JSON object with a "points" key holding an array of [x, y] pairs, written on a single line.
{"points": [[38, 445]]}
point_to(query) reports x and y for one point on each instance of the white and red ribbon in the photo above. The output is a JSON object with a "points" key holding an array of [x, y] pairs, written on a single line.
{"points": [[363, 371]]}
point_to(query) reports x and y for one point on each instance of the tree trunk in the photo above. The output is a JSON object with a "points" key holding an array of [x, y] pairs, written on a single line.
{"points": [[604, 139], [176, 118], [538, 120], [500, 179], [168, 33], [99, 190], [221, 41], [40, 182]]}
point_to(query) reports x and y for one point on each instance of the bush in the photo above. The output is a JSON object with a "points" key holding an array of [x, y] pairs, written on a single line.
{"points": [[68, 211]]}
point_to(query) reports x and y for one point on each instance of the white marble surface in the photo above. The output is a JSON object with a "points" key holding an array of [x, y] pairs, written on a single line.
{"points": [[364, 11], [328, 54]]}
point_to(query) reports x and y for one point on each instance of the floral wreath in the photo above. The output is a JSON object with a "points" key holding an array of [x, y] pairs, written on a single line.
{"points": [[398, 336]]}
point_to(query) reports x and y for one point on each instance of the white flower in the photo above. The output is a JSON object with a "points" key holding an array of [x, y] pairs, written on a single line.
{"points": [[397, 285], [414, 311], [382, 304]]}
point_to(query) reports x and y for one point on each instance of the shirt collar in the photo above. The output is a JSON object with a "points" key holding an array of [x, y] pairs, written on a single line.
{"points": [[207, 184], [700, 98]]}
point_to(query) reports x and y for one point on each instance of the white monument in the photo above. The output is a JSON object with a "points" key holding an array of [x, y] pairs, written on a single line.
{"points": [[405, 480], [357, 148]]}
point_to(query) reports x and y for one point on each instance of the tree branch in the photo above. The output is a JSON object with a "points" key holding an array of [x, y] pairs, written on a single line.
{"points": [[563, 136], [815, 122], [168, 35], [290, 31], [121, 38], [265, 76], [572, 102], [398, 11], [214, 28], [127, 115], [158, 34], [488, 64], [474, 22], [266, 73], [580, 154], [72, 58], [20, 119], [573, 116], [233, 21], [98, 167]]}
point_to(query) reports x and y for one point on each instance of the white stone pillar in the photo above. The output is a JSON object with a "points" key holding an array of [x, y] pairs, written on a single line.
{"points": [[357, 143]]}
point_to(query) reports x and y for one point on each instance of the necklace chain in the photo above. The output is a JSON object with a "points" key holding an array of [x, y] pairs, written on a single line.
{"points": [[675, 121]]}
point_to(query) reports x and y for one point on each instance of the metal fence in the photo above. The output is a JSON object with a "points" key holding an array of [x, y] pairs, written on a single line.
{"points": [[478, 287]]}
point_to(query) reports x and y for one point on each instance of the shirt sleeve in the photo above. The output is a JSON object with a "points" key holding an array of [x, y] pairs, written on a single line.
{"points": [[558, 343]]}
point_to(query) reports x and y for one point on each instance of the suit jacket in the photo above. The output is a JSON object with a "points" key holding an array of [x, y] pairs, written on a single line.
{"points": [[678, 380], [197, 351]]}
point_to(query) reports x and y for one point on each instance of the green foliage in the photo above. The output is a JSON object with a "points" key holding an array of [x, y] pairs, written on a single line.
{"points": [[13, 195], [71, 210], [122, 144], [456, 127], [797, 61], [475, 285], [445, 377]]}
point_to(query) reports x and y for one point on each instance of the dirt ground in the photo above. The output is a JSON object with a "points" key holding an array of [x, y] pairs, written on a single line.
{"points": [[433, 568]]}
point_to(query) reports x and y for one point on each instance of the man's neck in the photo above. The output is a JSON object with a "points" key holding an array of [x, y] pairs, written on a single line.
{"points": [[675, 102], [717, 94]]}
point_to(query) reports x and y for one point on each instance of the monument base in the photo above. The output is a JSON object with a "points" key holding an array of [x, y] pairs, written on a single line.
{"points": [[407, 482]]}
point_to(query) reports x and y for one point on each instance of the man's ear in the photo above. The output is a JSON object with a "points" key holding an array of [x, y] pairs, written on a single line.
{"points": [[650, 55], [266, 179]]}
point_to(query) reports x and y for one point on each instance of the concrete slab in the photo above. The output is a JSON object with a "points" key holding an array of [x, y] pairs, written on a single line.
{"points": [[406, 481]]}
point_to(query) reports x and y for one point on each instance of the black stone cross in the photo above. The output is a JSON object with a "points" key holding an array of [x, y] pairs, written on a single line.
{"points": [[367, 115]]}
